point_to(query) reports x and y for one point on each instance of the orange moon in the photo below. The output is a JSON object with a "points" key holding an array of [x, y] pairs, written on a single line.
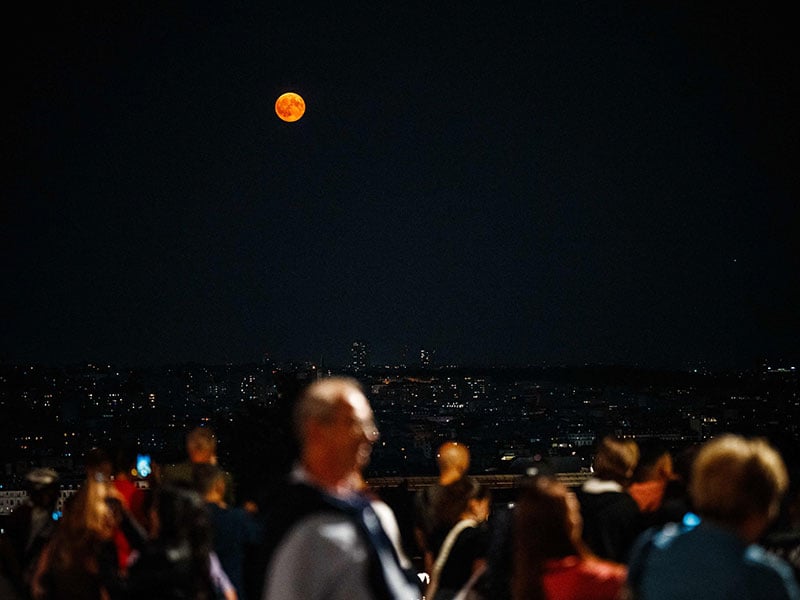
{"points": [[290, 107]]}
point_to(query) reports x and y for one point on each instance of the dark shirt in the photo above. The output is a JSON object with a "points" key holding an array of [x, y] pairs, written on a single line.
{"points": [[234, 529], [611, 522], [470, 545]]}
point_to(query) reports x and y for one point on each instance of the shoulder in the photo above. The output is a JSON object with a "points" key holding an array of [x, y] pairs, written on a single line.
{"points": [[331, 528], [604, 570], [767, 569]]}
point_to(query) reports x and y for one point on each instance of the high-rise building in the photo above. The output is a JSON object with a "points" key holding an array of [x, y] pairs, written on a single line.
{"points": [[359, 356]]}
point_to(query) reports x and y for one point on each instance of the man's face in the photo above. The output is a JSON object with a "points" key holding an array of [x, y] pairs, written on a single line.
{"points": [[352, 431]]}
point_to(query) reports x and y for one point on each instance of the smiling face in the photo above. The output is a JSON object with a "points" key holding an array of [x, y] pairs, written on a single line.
{"points": [[352, 431], [337, 429]]}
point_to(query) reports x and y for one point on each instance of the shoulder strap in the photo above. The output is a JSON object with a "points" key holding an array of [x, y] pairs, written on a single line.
{"points": [[444, 552]]}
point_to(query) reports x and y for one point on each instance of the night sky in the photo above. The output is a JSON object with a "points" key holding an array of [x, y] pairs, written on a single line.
{"points": [[548, 183]]}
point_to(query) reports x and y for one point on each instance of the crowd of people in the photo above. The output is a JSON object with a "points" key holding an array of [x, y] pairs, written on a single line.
{"points": [[719, 520]]}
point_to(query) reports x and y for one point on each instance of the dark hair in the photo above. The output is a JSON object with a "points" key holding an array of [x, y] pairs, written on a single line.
{"points": [[455, 498], [542, 532], [185, 523], [204, 476]]}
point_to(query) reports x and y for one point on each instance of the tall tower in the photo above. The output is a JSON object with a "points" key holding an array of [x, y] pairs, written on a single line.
{"points": [[359, 356]]}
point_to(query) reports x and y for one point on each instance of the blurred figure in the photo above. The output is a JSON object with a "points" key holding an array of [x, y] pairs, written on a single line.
{"points": [[453, 460], [329, 543], [462, 553], [611, 518], [234, 529], [31, 526], [783, 538], [201, 448], [388, 520], [80, 561], [175, 563], [132, 500], [736, 488], [653, 473], [676, 502], [551, 561]]}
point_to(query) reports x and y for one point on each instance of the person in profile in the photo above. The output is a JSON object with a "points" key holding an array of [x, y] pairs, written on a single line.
{"points": [[736, 487], [453, 460], [550, 559], [328, 542], [611, 517], [652, 475]]}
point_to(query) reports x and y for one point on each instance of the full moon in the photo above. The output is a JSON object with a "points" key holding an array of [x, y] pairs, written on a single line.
{"points": [[290, 107]]}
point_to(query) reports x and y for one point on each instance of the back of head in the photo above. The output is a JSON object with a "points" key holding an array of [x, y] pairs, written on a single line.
{"points": [[455, 497], [734, 478], [453, 460], [42, 485], [542, 531], [654, 457], [98, 464], [205, 476], [615, 460], [201, 444], [182, 516], [542, 513]]}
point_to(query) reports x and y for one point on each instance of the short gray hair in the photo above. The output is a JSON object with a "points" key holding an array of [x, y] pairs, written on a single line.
{"points": [[318, 402]]}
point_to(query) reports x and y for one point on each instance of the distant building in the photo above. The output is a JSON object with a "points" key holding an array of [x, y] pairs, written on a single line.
{"points": [[426, 357], [359, 356]]}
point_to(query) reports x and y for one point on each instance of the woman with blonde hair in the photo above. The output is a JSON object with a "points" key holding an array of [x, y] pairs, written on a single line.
{"points": [[550, 560], [80, 561]]}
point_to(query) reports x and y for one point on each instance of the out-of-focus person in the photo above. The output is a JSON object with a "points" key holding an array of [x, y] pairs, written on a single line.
{"points": [[550, 559], [452, 460], [176, 563], [611, 517], [461, 556], [80, 560], [329, 543], [736, 487]]}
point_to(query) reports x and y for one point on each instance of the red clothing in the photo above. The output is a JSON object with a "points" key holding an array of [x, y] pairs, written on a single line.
{"points": [[134, 499], [576, 578], [648, 494]]}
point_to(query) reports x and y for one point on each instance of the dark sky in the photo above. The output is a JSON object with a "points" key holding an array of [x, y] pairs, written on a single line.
{"points": [[553, 182]]}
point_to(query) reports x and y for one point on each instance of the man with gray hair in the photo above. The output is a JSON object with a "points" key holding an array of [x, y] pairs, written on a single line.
{"points": [[329, 544]]}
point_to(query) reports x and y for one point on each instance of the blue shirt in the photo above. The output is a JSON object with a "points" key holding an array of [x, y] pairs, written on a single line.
{"points": [[706, 563]]}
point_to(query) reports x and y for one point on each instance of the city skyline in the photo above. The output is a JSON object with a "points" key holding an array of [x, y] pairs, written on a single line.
{"points": [[549, 184]]}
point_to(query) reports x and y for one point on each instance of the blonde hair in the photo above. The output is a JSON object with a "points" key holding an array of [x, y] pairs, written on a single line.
{"points": [[616, 459], [734, 478]]}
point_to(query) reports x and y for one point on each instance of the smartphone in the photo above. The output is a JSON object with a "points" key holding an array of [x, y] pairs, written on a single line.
{"points": [[143, 466]]}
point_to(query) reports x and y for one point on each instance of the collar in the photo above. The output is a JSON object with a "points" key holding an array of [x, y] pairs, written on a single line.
{"points": [[299, 474], [601, 486]]}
